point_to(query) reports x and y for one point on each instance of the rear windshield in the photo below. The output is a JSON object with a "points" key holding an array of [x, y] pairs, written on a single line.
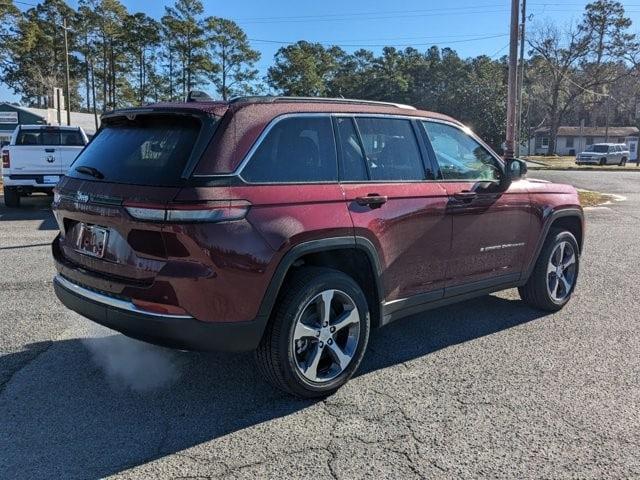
{"points": [[152, 150], [50, 136]]}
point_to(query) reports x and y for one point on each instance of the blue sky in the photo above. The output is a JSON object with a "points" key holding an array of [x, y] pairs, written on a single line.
{"points": [[459, 24]]}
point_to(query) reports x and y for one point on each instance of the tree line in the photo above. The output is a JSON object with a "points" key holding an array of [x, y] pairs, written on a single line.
{"points": [[583, 72]]}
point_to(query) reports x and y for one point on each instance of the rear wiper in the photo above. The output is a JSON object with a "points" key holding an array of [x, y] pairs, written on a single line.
{"points": [[94, 172]]}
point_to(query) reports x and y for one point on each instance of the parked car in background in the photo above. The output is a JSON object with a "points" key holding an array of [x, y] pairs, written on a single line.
{"points": [[604, 154], [36, 157], [294, 226]]}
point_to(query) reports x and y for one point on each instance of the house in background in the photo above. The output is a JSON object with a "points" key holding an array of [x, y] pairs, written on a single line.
{"points": [[11, 116], [572, 140]]}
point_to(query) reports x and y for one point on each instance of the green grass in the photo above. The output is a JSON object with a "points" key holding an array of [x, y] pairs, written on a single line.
{"points": [[592, 199], [569, 162]]}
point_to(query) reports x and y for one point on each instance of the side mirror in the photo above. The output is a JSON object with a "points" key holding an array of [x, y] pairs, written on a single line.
{"points": [[516, 168]]}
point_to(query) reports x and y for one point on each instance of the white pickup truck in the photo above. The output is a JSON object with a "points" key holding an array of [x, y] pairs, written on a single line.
{"points": [[36, 157]]}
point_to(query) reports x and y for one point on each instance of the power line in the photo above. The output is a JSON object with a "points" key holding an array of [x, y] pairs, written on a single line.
{"points": [[331, 44], [358, 14], [499, 51], [367, 17]]}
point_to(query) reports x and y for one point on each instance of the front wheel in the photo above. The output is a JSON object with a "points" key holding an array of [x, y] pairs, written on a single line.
{"points": [[555, 273], [11, 197], [318, 334], [623, 161]]}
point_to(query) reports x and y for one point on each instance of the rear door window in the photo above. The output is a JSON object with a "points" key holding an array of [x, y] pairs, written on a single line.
{"points": [[391, 149], [150, 150], [296, 149]]}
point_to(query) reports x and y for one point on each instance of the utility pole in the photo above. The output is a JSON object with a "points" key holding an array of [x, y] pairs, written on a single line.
{"points": [[512, 82], [66, 61], [521, 78]]}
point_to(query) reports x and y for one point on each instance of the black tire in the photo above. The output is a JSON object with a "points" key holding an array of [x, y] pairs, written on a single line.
{"points": [[603, 161], [535, 292], [275, 354], [623, 161], [11, 197]]}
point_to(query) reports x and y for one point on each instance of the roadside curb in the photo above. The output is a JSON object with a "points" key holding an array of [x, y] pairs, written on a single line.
{"points": [[586, 169]]}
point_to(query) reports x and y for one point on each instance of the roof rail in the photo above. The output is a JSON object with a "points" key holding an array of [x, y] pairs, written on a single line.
{"points": [[276, 99]]}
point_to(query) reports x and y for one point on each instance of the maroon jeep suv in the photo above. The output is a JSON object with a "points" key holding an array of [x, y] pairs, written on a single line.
{"points": [[292, 226]]}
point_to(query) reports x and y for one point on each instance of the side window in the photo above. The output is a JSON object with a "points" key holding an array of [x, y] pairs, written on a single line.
{"points": [[296, 149], [391, 149], [459, 156], [352, 166]]}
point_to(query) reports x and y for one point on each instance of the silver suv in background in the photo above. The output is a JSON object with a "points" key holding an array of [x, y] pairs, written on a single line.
{"points": [[604, 154]]}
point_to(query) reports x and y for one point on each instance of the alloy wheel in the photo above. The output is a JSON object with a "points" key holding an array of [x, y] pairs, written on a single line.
{"points": [[326, 336], [561, 271]]}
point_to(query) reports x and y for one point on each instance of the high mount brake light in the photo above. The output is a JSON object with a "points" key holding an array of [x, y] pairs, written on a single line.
{"points": [[207, 212]]}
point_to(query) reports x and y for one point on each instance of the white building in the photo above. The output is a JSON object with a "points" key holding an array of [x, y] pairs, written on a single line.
{"points": [[572, 140]]}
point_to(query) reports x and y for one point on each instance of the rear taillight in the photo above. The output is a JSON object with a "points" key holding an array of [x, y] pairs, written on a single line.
{"points": [[6, 162], [207, 212]]}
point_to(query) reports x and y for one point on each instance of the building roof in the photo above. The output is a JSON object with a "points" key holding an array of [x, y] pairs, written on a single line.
{"points": [[78, 119], [593, 131]]}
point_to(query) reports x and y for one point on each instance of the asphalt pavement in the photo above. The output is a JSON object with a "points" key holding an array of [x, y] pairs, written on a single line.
{"points": [[486, 388]]}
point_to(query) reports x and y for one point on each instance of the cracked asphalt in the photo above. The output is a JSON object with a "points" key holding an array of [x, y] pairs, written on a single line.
{"points": [[486, 388]]}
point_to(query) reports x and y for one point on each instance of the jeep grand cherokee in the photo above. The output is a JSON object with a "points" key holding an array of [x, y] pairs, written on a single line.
{"points": [[293, 226]]}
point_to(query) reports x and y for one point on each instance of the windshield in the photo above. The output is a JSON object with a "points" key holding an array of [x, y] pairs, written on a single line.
{"points": [[597, 148], [151, 150]]}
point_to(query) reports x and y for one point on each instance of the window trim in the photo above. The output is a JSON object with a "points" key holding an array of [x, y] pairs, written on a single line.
{"points": [[428, 156], [416, 136], [338, 137], [247, 158], [467, 131]]}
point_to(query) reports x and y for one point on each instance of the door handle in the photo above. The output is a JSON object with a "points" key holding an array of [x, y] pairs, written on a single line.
{"points": [[465, 195], [49, 150], [372, 200]]}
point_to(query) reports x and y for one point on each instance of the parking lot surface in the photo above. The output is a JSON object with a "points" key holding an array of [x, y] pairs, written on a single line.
{"points": [[486, 388]]}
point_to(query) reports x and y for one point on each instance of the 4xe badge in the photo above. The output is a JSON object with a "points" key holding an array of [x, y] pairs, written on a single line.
{"points": [[82, 197]]}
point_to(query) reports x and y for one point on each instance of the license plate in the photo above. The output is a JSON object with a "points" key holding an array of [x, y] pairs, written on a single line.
{"points": [[92, 240], [51, 179]]}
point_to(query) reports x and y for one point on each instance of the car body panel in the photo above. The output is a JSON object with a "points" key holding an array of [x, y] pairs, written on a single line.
{"points": [[424, 244], [411, 232], [490, 232]]}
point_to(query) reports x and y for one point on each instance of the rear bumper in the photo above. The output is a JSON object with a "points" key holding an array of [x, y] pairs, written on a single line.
{"points": [[174, 331], [35, 181]]}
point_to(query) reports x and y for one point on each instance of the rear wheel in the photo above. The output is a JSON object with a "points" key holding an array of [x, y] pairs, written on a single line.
{"points": [[11, 197], [555, 273], [603, 161], [318, 334], [623, 161]]}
